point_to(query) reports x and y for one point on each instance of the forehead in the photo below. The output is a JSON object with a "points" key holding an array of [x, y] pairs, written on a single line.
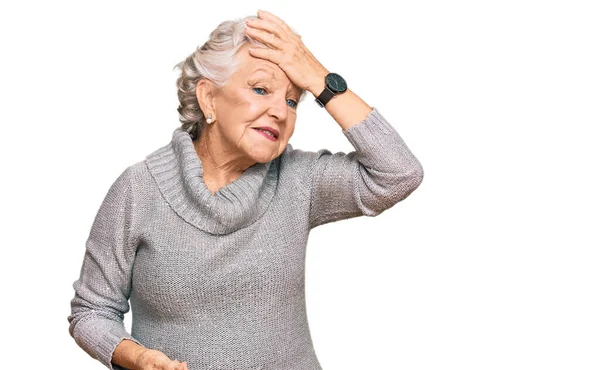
{"points": [[249, 66]]}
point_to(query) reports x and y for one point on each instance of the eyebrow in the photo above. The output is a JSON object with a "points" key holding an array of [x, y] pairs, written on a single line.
{"points": [[270, 73], [273, 77]]}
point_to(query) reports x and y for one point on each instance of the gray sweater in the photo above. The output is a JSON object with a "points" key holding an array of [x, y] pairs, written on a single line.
{"points": [[218, 281]]}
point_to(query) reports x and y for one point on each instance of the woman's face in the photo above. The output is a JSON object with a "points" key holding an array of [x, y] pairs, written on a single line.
{"points": [[258, 94]]}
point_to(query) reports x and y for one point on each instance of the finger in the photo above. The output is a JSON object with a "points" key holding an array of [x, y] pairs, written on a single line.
{"points": [[267, 26], [263, 14], [266, 54], [173, 365], [265, 37]]}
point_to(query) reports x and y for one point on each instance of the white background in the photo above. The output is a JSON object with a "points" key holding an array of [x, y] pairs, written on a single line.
{"points": [[493, 263]]}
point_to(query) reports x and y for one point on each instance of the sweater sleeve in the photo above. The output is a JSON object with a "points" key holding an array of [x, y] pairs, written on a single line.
{"points": [[103, 288], [381, 172]]}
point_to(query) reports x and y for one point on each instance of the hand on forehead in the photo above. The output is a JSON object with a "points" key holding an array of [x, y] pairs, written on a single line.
{"points": [[258, 68], [284, 47]]}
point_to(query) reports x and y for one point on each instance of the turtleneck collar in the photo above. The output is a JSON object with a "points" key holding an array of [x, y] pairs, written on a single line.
{"points": [[177, 170]]}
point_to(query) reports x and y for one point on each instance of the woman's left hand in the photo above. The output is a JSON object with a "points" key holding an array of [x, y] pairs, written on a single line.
{"points": [[287, 50]]}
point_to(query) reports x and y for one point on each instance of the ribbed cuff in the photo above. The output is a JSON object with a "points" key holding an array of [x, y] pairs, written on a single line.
{"points": [[108, 343], [100, 338], [379, 145]]}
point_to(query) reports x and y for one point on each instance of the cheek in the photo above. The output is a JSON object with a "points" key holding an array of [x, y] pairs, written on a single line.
{"points": [[291, 122], [233, 102], [236, 104], [248, 108], [291, 126], [256, 106]]}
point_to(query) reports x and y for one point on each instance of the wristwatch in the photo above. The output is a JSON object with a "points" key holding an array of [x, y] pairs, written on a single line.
{"points": [[334, 85]]}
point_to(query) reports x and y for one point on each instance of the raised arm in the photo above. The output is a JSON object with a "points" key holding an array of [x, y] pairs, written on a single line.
{"points": [[103, 288], [381, 172]]}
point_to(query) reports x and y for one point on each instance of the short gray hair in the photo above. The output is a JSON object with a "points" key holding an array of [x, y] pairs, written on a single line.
{"points": [[215, 61]]}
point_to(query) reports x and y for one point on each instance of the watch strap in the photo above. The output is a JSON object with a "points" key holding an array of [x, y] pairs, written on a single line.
{"points": [[324, 97]]}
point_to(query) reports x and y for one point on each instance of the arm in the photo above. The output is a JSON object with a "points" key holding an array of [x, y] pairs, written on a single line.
{"points": [[102, 290], [380, 173]]}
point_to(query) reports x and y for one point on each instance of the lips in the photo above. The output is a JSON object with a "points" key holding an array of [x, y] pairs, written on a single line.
{"points": [[270, 130]]}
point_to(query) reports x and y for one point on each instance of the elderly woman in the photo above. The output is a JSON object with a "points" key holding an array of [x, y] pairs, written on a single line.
{"points": [[206, 237]]}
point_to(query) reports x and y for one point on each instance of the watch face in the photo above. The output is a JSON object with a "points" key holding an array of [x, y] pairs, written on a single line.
{"points": [[336, 83]]}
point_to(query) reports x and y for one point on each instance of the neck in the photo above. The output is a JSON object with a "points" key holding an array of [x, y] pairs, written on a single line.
{"points": [[220, 165]]}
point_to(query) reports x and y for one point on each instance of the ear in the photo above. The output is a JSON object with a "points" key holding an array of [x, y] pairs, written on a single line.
{"points": [[205, 93]]}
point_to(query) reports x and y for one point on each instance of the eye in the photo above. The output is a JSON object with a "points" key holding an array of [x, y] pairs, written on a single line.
{"points": [[292, 103], [259, 90]]}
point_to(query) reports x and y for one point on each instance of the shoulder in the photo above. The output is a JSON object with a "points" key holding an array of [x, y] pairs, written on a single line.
{"points": [[133, 175], [134, 182], [137, 190], [139, 172]]}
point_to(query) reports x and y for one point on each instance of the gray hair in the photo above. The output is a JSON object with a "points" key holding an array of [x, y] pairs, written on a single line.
{"points": [[215, 61]]}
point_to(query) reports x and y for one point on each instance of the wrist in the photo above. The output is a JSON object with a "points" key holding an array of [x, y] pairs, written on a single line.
{"points": [[127, 354], [318, 82], [137, 356]]}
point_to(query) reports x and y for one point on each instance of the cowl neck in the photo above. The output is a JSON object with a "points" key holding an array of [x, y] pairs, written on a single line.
{"points": [[177, 170]]}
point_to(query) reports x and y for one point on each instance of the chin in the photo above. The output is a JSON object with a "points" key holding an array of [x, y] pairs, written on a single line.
{"points": [[264, 159], [263, 156]]}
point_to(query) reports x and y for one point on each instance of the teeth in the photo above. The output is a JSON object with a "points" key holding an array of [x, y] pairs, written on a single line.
{"points": [[268, 132]]}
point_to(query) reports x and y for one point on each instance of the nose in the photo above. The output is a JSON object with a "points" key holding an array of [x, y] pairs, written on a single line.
{"points": [[278, 108]]}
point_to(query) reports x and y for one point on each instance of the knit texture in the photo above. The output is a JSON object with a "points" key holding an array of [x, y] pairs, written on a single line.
{"points": [[218, 280]]}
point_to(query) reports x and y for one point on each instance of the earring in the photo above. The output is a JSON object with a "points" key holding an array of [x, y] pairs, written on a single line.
{"points": [[209, 120]]}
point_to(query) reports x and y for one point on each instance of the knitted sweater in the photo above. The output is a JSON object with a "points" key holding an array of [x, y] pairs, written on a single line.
{"points": [[218, 280]]}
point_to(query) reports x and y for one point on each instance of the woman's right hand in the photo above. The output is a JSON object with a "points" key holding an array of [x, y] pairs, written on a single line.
{"points": [[150, 359]]}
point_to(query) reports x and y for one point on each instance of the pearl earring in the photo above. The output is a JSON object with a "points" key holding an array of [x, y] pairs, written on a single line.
{"points": [[209, 120]]}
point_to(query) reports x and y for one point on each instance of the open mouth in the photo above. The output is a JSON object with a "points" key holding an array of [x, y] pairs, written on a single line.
{"points": [[267, 132]]}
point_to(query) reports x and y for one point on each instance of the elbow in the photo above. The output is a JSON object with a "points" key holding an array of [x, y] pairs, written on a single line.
{"points": [[389, 189], [405, 184], [409, 175], [416, 177], [85, 312], [77, 328], [80, 310]]}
